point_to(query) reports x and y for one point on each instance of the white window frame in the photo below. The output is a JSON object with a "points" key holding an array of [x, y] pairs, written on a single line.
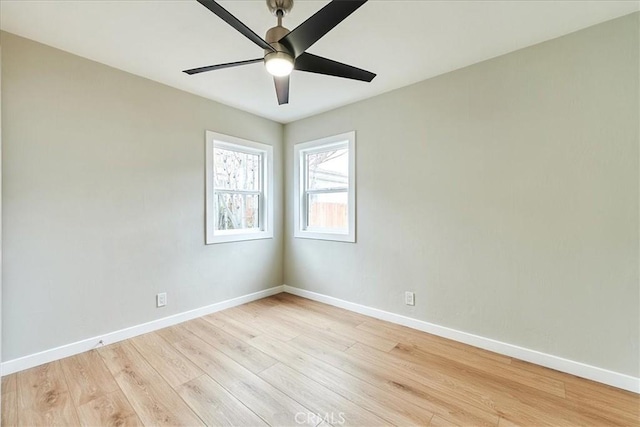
{"points": [[265, 231], [347, 140]]}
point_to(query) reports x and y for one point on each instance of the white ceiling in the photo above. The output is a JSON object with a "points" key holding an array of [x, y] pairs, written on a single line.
{"points": [[402, 41]]}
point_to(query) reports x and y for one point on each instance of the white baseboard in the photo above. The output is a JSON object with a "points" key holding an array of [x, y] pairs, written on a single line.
{"points": [[61, 352], [615, 379]]}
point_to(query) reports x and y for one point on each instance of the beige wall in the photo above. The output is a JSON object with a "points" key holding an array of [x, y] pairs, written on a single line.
{"points": [[504, 194], [103, 191]]}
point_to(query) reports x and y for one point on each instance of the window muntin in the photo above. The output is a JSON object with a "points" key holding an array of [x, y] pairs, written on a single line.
{"points": [[238, 180], [325, 184]]}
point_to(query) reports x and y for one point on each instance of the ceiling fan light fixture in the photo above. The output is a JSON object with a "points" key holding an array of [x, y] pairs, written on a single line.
{"points": [[278, 64]]}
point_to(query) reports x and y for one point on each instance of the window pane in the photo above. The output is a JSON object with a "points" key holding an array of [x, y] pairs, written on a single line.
{"points": [[235, 170], [237, 211], [327, 210], [328, 169]]}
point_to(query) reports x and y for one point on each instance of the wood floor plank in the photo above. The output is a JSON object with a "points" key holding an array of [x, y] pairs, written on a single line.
{"points": [[436, 345], [110, 409], [170, 363], [249, 357], [174, 333], [512, 379], [506, 423], [325, 323], [454, 381], [511, 400], [348, 317], [438, 421], [153, 399], [505, 371], [327, 405], [320, 320], [87, 377], [9, 383], [426, 340], [9, 409], [324, 337], [253, 309], [263, 399], [590, 393], [265, 303], [387, 405], [232, 326], [403, 385], [215, 405], [614, 403], [43, 397], [58, 413], [615, 414], [253, 318]]}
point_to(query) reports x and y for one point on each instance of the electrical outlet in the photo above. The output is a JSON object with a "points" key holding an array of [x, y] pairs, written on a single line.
{"points": [[409, 298], [161, 299]]}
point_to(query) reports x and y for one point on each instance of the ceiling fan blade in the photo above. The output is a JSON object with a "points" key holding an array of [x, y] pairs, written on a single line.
{"points": [[235, 23], [220, 66], [311, 30], [282, 89], [320, 65]]}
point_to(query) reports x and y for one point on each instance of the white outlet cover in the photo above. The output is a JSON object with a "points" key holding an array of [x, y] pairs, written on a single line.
{"points": [[409, 298], [161, 300]]}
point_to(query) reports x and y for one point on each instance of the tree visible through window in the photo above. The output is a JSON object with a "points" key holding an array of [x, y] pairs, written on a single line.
{"points": [[238, 179], [237, 189]]}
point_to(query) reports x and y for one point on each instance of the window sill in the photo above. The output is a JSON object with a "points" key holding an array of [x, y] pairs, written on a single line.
{"points": [[239, 237], [334, 237]]}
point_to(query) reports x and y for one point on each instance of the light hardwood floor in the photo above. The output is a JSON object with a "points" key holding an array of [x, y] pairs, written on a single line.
{"points": [[288, 361]]}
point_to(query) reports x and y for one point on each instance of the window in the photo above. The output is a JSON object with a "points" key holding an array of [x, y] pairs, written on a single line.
{"points": [[324, 174], [238, 189]]}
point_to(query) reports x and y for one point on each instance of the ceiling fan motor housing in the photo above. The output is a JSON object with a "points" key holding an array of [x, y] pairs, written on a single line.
{"points": [[272, 37], [284, 6]]}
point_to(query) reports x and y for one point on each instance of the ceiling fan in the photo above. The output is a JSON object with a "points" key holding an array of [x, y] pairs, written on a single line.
{"points": [[284, 50]]}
